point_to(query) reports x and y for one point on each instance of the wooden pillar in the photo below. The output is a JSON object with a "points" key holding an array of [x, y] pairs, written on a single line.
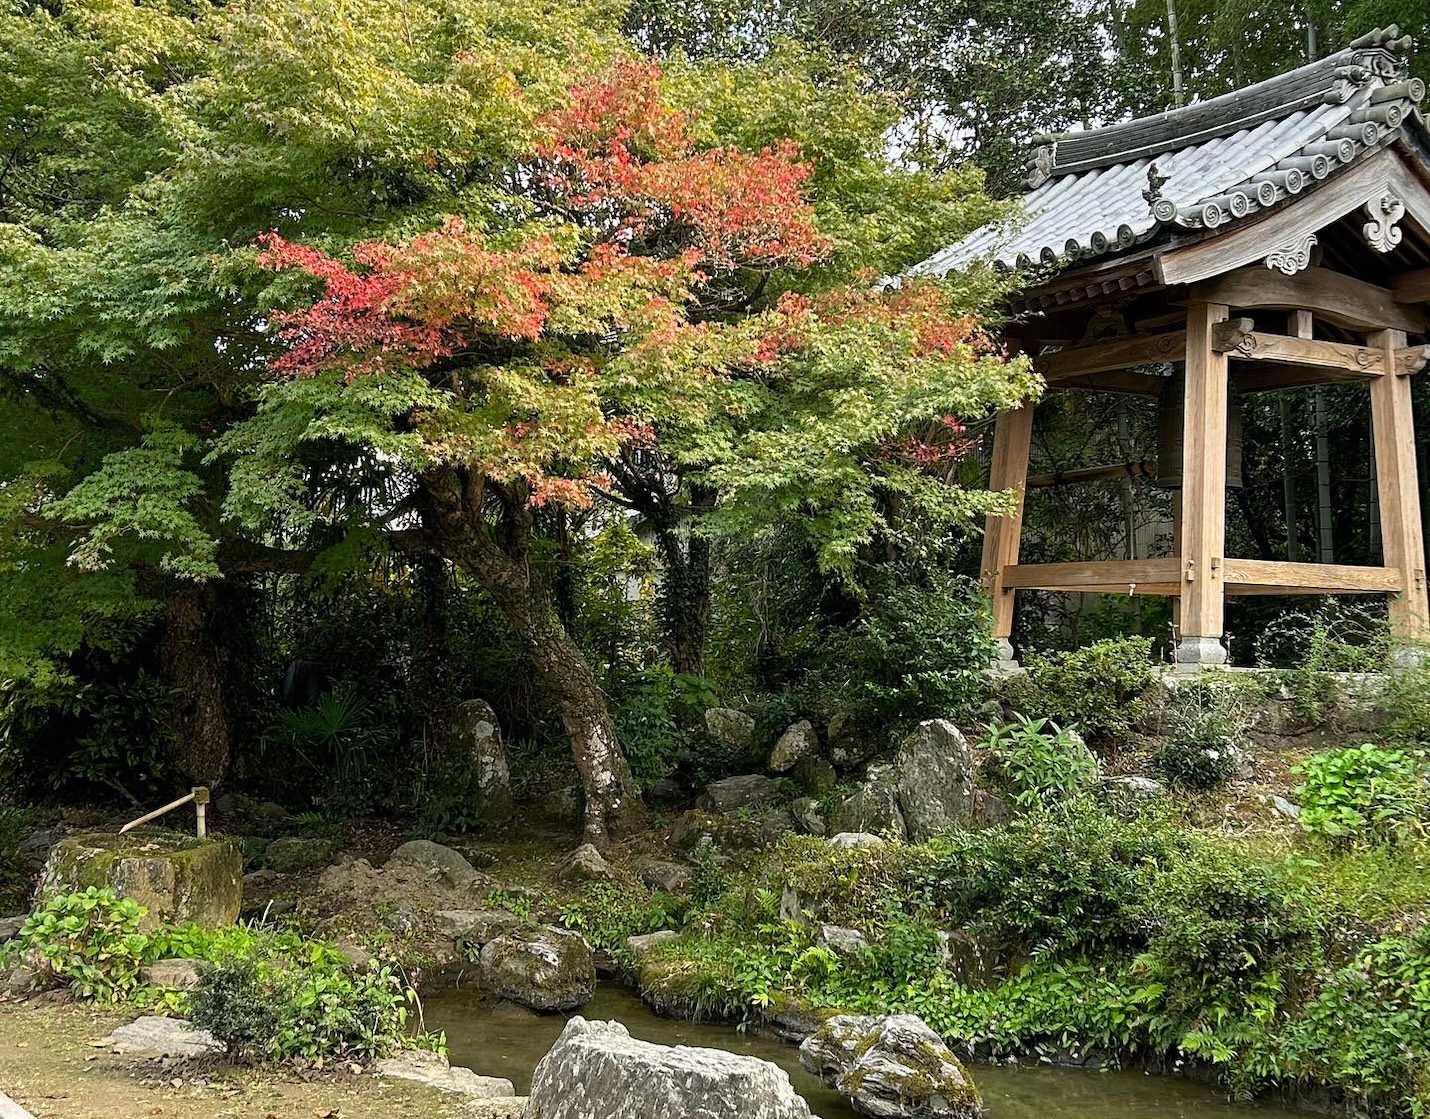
{"points": [[1398, 489], [1203, 491], [1012, 435]]}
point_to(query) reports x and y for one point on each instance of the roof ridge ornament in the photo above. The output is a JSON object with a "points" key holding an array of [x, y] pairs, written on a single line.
{"points": [[1039, 166], [1163, 209]]}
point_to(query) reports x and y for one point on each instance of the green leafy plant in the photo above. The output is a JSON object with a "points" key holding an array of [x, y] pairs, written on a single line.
{"points": [[1363, 794], [1093, 689], [1206, 725], [1038, 762], [271, 1001], [89, 941]]}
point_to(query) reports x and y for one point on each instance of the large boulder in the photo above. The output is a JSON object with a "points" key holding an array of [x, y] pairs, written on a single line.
{"points": [[734, 730], [850, 743], [891, 1068], [730, 794], [596, 1070], [927, 788], [476, 926], [543, 968], [176, 877], [797, 742], [935, 779], [438, 861], [585, 864], [474, 734], [874, 808]]}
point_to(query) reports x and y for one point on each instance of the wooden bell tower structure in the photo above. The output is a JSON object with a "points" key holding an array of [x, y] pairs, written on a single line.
{"points": [[1277, 237]]}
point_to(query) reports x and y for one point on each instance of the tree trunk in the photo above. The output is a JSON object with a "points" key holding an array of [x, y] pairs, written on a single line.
{"points": [[613, 802], [192, 665], [685, 588], [685, 600]]}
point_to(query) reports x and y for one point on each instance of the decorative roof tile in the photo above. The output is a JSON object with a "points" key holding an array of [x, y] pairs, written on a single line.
{"points": [[1107, 190]]}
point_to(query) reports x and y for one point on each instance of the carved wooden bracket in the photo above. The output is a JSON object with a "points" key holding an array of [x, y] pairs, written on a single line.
{"points": [[1293, 257], [1382, 231], [1235, 336]]}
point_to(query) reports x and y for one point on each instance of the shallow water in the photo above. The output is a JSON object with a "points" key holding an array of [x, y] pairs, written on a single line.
{"points": [[499, 1044]]}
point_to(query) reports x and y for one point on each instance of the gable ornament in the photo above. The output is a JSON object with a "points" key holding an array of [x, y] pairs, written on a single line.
{"points": [[1293, 257], [1382, 231]]}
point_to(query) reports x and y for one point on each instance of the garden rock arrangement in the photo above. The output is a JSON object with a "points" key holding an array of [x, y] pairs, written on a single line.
{"points": [[596, 1070], [176, 877], [543, 968], [891, 1067], [475, 731]]}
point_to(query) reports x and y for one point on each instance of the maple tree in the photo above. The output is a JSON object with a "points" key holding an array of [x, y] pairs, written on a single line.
{"points": [[511, 370], [427, 280]]}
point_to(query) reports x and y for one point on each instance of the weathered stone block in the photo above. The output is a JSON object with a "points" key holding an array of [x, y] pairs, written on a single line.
{"points": [[176, 877]]}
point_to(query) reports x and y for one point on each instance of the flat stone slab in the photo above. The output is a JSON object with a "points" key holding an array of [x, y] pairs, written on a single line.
{"points": [[167, 1037], [432, 1069], [512, 1108], [9, 1109]]}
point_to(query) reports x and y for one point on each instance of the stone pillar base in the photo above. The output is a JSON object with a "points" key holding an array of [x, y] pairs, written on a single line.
{"points": [[1195, 653], [1006, 664]]}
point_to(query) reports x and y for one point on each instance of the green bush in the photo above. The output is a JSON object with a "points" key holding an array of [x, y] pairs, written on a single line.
{"points": [[1363, 793], [1093, 689], [276, 1002], [921, 647], [1036, 761], [1072, 878], [1206, 725], [1403, 703], [1367, 1030], [90, 941]]}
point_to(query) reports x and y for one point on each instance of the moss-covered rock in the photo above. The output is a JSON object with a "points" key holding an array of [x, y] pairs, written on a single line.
{"points": [[175, 877], [891, 1068], [543, 968]]}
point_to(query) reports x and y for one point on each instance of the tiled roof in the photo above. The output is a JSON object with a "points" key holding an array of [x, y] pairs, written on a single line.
{"points": [[1107, 190]]}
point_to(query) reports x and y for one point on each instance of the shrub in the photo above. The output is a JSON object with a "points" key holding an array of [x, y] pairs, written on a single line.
{"points": [[1207, 723], [1071, 878], [1038, 762], [277, 998], [921, 645], [1403, 704], [90, 941], [1362, 793], [1092, 689]]}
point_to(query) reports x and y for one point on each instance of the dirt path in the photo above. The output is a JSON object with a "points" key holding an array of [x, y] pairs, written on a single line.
{"points": [[49, 1066]]}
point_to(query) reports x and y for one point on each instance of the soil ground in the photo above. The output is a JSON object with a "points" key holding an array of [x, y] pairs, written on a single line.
{"points": [[50, 1065]]}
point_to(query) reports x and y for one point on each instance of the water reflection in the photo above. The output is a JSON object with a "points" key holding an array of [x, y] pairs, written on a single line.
{"points": [[508, 1042]]}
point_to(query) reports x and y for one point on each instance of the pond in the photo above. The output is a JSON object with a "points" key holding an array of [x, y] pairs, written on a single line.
{"points": [[503, 1042]]}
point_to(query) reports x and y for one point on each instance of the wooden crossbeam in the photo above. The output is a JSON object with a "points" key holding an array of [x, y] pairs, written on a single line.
{"points": [[1240, 341], [1411, 287], [1116, 354], [1092, 575], [1283, 577], [1164, 577], [1343, 300]]}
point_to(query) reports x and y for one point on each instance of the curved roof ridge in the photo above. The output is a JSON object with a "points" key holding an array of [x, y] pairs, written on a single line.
{"points": [[1334, 79], [1209, 174]]}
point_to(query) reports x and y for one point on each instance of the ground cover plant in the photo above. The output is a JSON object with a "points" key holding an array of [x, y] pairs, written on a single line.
{"points": [[1086, 929], [269, 995]]}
